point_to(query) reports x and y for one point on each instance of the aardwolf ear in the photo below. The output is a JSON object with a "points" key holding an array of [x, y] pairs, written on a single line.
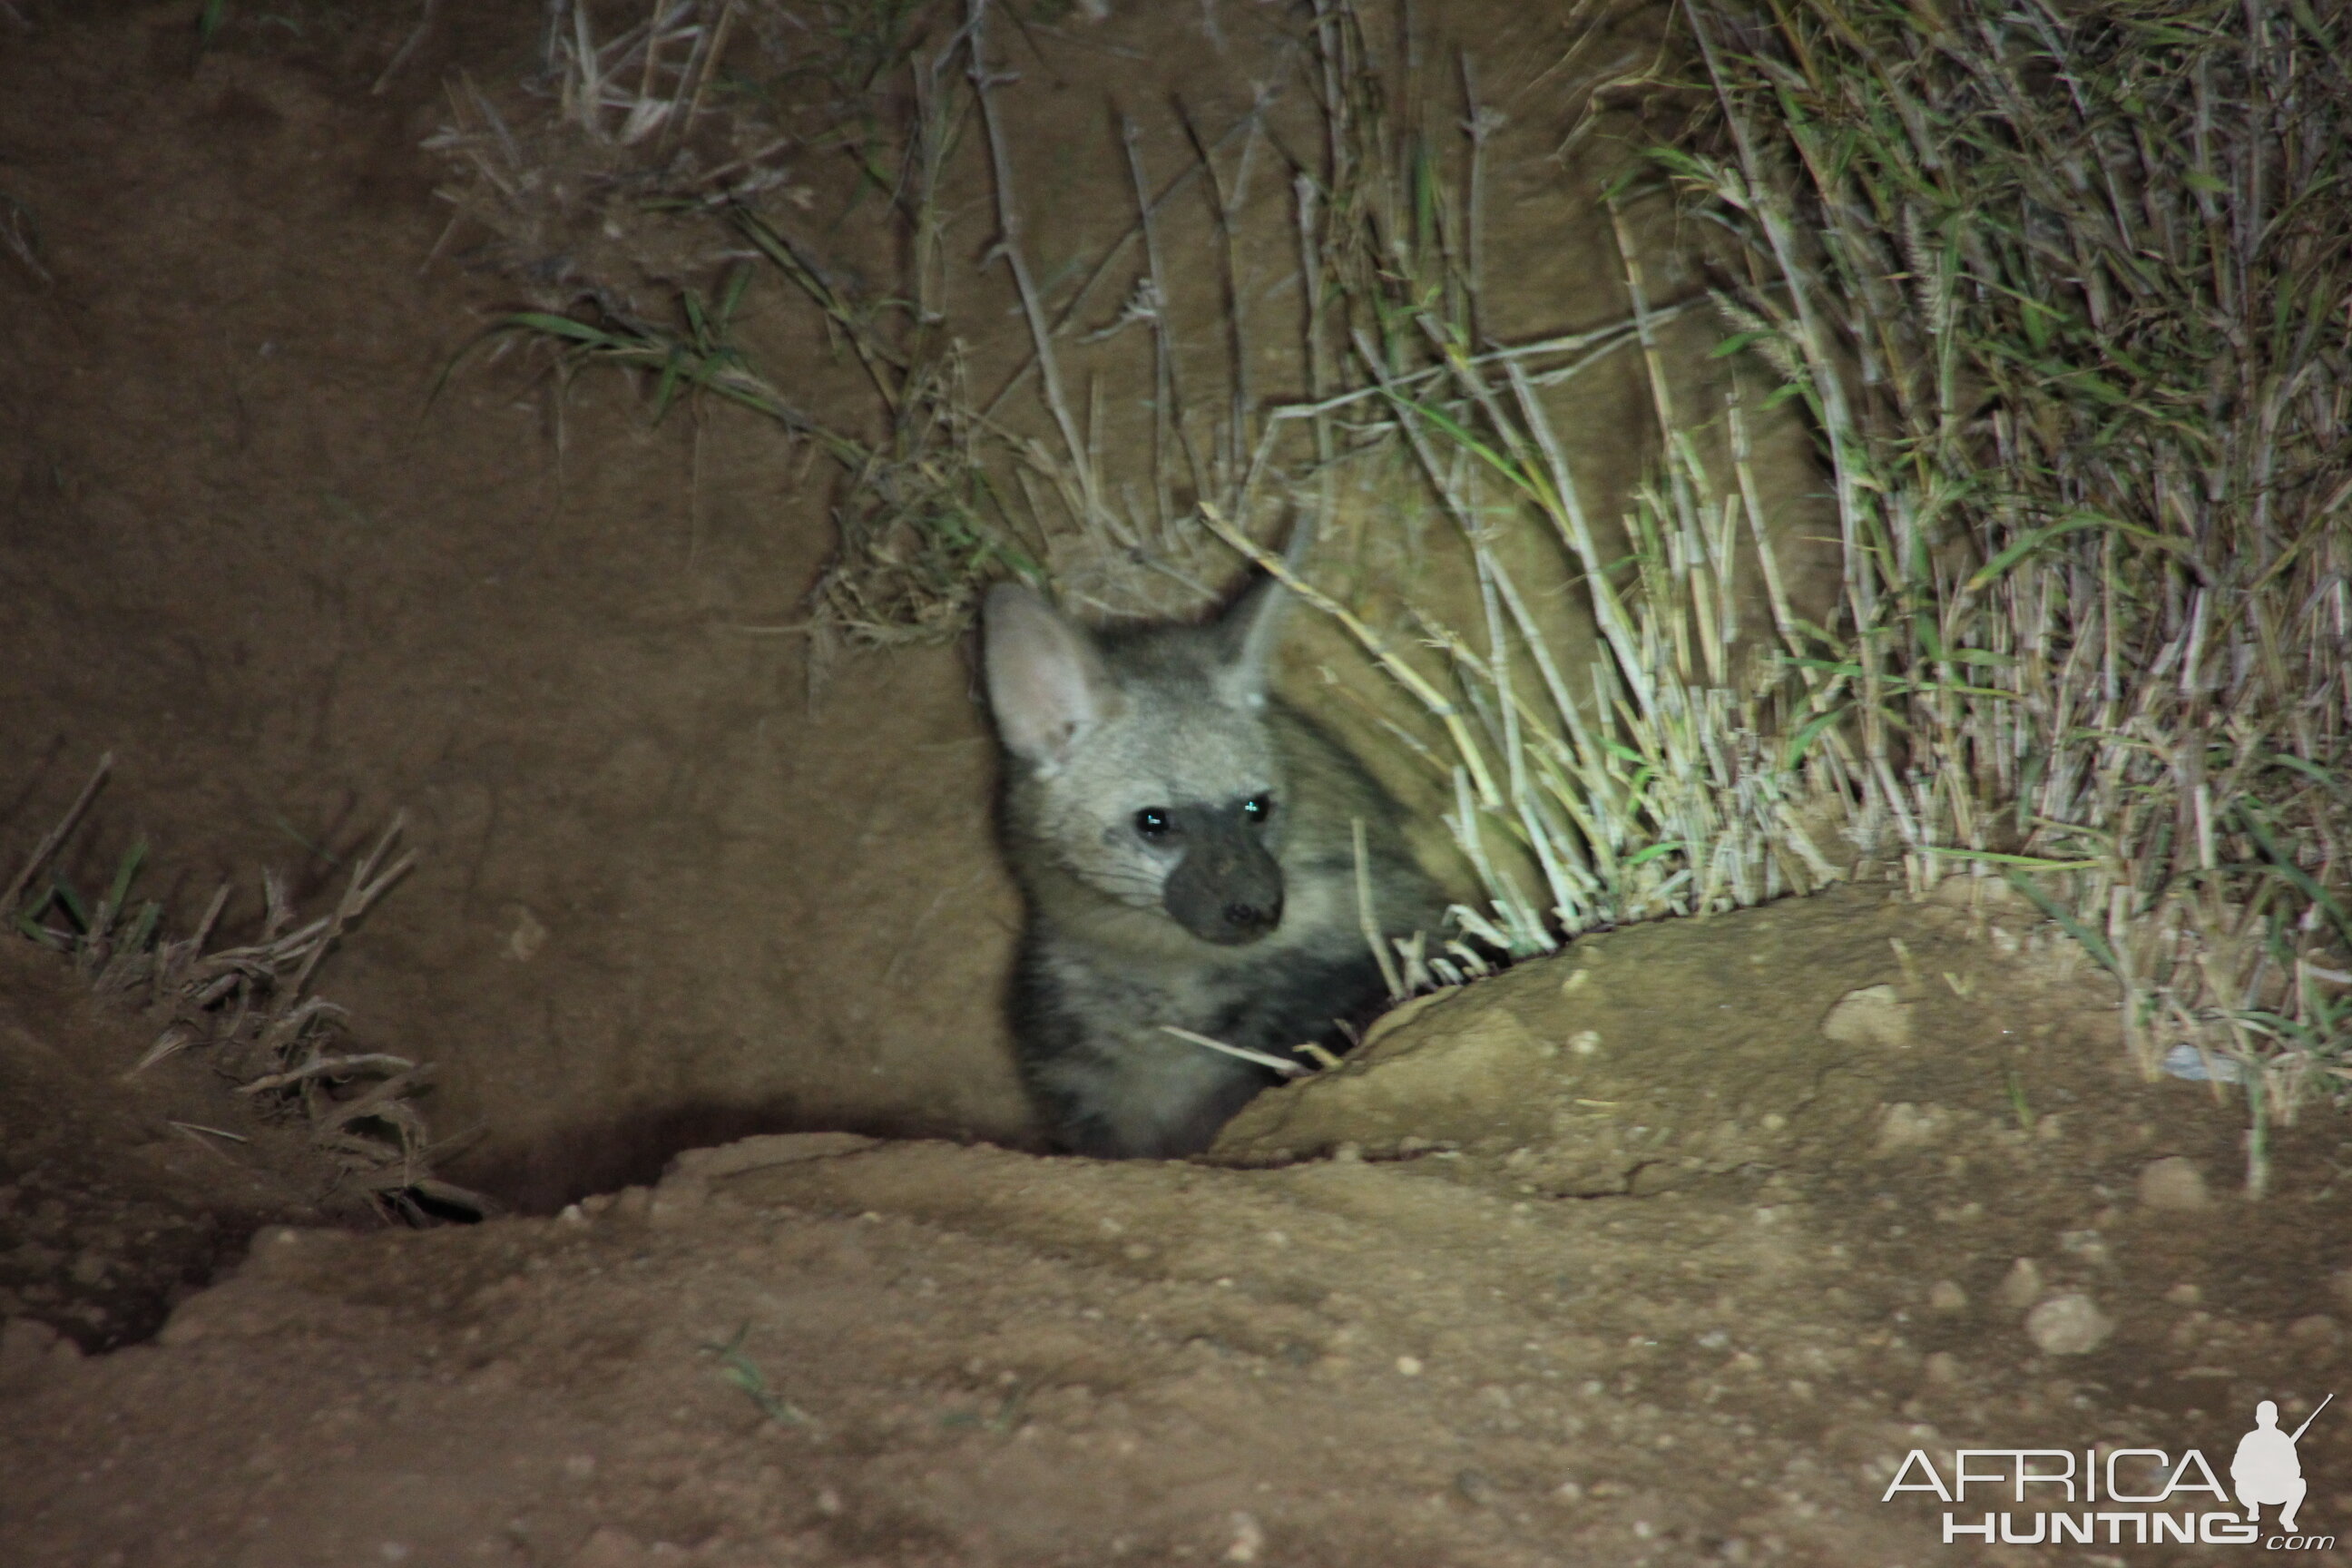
{"points": [[1249, 630], [1045, 677]]}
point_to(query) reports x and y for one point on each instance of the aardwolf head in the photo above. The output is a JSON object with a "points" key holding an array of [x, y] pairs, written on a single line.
{"points": [[1143, 763]]}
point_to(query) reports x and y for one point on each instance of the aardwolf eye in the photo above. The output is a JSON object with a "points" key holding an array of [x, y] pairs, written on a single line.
{"points": [[1152, 822], [1258, 808]]}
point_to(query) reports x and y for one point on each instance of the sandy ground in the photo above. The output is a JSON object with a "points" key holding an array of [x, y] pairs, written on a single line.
{"points": [[1670, 1249]]}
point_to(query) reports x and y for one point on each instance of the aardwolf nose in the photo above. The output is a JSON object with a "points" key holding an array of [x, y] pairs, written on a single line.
{"points": [[1252, 917], [1227, 890]]}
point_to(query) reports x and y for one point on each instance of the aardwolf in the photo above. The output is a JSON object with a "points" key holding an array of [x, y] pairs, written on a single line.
{"points": [[1186, 845]]}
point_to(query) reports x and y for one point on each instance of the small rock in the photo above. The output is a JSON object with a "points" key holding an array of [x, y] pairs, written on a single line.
{"points": [[2023, 1284], [527, 937], [828, 1502], [1249, 1540], [2071, 1324], [1409, 1366], [2184, 1294], [1870, 1016], [2174, 1185], [2184, 1060], [1946, 1296], [1942, 1367], [1909, 1126]]}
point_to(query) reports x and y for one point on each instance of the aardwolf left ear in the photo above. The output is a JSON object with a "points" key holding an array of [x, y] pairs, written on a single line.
{"points": [[1250, 628]]}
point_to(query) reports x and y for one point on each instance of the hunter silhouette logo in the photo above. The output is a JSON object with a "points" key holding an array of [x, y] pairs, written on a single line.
{"points": [[2124, 1496], [2266, 1471]]}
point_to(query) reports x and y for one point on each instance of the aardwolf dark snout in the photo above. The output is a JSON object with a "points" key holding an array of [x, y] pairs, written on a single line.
{"points": [[1227, 890]]}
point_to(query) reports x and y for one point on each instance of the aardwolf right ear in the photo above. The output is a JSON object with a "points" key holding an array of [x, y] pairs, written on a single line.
{"points": [[1046, 681]]}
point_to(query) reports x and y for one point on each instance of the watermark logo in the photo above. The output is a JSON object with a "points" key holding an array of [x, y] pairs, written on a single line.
{"points": [[2058, 1497], [2267, 1470]]}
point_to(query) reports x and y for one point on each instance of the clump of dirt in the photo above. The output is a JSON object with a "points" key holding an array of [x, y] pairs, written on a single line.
{"points": [[1670, 1249], [122, 1191]]}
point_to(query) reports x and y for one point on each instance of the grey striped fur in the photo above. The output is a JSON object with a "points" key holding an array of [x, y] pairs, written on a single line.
{"points": [[1235, 918]]}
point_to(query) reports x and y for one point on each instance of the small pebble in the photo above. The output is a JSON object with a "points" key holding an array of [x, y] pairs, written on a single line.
{"points": [[2071, 1324], [2023, 1284], [2174, 1186], [1871, 1017]]}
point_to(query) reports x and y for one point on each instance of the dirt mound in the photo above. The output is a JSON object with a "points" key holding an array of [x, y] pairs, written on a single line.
{"points": [[124, 1191], [1674, 1269]]}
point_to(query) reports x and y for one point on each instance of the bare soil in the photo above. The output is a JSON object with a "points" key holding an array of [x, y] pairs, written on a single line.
{"points": [[1669, 1249], [1666, 1250]]}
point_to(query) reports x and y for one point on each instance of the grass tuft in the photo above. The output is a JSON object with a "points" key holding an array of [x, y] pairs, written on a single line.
{"points": [[2065, 294], [250, 1007]]}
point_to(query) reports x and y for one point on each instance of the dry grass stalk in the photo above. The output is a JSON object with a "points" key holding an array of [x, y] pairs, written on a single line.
{"points": [[250, 1006], [954, 492]]}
